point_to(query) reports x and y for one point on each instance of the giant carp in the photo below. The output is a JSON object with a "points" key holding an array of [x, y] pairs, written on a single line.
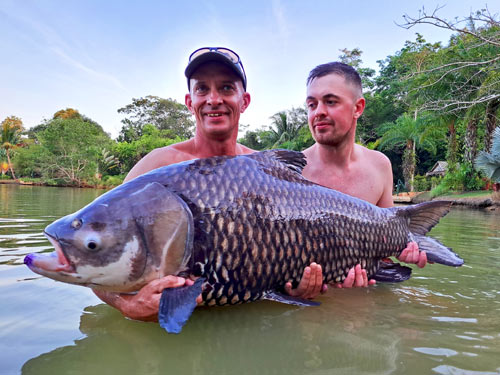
{"points": [[243, 225]]}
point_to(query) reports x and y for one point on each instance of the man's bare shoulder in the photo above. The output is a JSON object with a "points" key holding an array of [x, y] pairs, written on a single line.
{"points": [[243, 150], [374, 159], [161, 157]]}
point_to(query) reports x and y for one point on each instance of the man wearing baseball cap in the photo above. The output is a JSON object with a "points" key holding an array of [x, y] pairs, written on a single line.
{"points": [[217, 96]]}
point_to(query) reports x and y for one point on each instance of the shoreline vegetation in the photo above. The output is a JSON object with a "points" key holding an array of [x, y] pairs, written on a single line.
{"points": [[482, 199]]}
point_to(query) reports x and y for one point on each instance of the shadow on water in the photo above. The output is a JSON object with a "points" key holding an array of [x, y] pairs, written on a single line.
{"points": [[261, 337]]}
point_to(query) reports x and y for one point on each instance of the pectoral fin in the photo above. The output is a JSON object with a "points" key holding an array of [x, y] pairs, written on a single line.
{"points": [[392, 272], [289, 300], [177, 305]]}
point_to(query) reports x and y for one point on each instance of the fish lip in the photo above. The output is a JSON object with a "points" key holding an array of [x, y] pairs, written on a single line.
{"points": [[65, 264]]}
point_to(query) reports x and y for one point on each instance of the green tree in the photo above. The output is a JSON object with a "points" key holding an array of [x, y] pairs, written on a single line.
{"points": [[72, 149], [12, 127], [489, 162], [353, 58], [410, 134], [164, 114], [285, 126], [129, 153]]}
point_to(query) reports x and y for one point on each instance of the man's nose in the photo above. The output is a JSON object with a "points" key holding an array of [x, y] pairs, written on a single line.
{"points": [[214, 98], [320, 110]]}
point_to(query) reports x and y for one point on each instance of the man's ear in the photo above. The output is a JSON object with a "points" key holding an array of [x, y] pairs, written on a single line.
{"points": [[246, 102], [359, 107], [189, 103]]}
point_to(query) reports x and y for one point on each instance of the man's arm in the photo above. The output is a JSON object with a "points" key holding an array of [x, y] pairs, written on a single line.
{"points": [[145, 304], [411, 254]]}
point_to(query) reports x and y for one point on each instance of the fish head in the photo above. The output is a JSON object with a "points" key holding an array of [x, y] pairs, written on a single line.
{"points": [[121, 241]]}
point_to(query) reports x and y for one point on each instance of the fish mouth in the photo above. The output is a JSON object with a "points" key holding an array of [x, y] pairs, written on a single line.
{"points": [[53, 262]]}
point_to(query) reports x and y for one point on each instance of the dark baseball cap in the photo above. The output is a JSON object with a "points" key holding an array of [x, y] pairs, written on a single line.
{"points": [[217, 54]]}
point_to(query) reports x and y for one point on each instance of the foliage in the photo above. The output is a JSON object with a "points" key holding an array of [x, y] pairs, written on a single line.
{"points": [[72, 149], [10, 137], [28, 160], [164, 114], [489, 162], [422, 183], [129, 153], [464, 178], [410, 134]]}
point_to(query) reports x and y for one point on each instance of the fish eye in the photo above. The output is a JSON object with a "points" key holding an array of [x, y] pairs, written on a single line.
{"points": [[76, 224], [92, 244]]}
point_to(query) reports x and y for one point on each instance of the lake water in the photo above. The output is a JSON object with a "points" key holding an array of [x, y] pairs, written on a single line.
{"points": [[442, 321]]}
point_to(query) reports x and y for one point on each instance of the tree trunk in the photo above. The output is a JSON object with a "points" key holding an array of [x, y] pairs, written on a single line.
{"points": [[470, 151], [491, 123], [10, 164], [452, 146], [409, 164]]}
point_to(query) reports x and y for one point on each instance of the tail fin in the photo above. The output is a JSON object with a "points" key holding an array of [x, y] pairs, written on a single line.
{"points": [[422, 217], [437, 252]]}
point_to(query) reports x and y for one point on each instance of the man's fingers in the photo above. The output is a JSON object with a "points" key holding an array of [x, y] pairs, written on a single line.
{"points": [[349, 280], [170, 281], [359, 276], [422, 259]]}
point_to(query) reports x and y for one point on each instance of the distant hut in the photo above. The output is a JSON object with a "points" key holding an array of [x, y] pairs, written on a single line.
{"points": [[439, 169]]}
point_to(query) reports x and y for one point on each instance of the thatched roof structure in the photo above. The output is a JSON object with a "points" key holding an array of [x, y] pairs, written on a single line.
{"points": [[439, 169]]}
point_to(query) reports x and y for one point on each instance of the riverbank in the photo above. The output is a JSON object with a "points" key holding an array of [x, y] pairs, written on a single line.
{"points": [[480, 199], [35, 183]]}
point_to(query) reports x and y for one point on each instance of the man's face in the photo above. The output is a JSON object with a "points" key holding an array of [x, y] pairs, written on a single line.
{"points": [[217, 99], [333, 109]]}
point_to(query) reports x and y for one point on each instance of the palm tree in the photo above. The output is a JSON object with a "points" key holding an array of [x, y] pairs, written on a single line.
{"points": [[286, 125], [10, 137], [411, 134], [489, 162]]}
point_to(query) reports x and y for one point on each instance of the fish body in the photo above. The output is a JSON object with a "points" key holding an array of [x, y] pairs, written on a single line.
{"points": [[246, 224]]}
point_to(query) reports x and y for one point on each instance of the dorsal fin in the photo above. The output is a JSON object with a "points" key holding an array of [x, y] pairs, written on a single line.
{"points": [[423, 216], [294, 160]]}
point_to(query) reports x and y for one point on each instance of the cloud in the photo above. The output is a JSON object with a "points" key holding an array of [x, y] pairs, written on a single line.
{"points": [[44, 37], [281, 22], [78, 65]]}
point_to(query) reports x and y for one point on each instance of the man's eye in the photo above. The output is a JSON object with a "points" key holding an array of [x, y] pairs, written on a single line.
{"points": [[227, 88], [201, 89]]}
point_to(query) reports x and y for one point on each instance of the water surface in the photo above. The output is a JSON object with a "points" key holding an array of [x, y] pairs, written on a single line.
{"points": [[442, 321]]}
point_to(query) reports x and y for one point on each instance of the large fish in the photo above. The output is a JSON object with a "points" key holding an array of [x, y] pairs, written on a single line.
{"points": [[245, 225]]}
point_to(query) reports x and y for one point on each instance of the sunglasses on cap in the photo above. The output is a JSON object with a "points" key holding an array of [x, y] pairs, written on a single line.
{"points": [[227, 53]]}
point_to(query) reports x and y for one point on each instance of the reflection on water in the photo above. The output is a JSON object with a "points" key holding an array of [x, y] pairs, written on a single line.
{"points": [[443, 320]]}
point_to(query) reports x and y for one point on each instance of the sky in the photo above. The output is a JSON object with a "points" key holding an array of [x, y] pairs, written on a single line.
{"points": [[96, 56]]}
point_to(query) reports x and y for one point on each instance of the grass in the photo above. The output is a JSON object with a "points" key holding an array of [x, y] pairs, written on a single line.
{"points": [[468, 194]]}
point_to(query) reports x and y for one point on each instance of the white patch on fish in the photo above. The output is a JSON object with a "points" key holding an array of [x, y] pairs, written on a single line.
{"points": [[115, 273]]}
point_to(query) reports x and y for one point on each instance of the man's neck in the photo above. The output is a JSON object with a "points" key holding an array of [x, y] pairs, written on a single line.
{"points": [[340, 155], [208, 147]]}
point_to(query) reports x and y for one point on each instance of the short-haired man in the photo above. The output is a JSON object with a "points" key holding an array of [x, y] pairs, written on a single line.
{"points": [[335, 102], [217, 96]]}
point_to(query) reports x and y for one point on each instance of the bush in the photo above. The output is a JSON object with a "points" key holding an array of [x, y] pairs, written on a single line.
{"points": [[441, 189], [464, 178], [112, 181], [421, 183], [435, 181]]}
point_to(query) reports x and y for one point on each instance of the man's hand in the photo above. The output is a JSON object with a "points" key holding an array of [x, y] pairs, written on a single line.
{"points": [[413, 255], [356, 277], [145, 304], [311, 284]]}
